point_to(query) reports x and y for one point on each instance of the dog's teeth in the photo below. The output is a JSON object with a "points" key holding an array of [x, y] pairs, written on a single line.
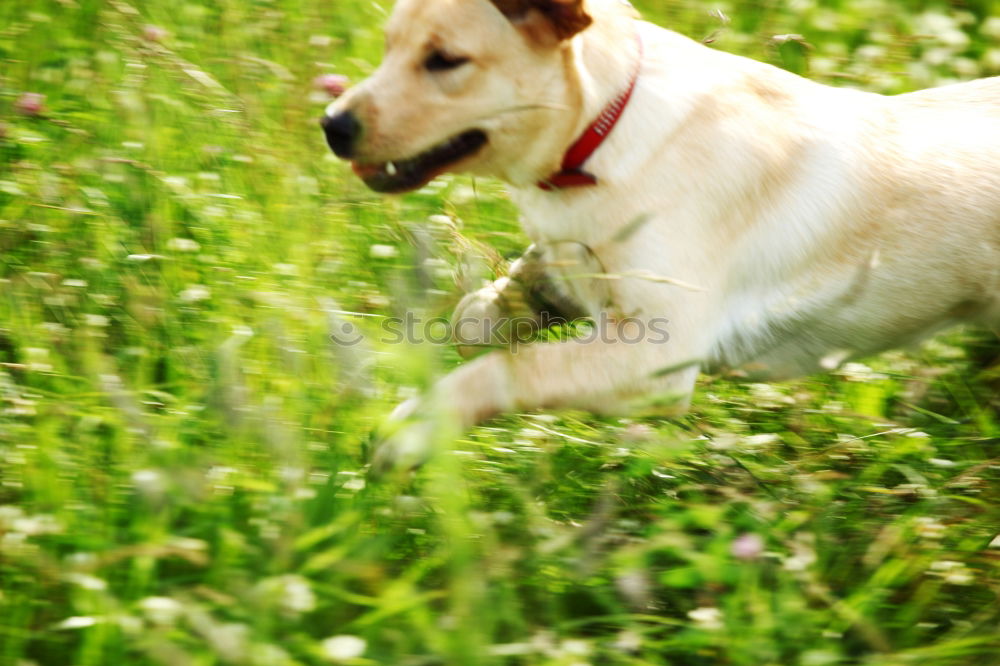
{"points": [[390, 168]]}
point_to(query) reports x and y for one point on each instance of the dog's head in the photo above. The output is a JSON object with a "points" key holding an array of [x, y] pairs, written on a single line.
{"points": [[465, 85]]}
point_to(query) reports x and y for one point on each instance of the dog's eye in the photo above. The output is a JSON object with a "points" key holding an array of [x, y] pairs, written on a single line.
{"points": [[440, 62]]}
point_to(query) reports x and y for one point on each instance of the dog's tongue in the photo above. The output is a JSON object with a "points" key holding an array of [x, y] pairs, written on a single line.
{"points": [[365, 171]]}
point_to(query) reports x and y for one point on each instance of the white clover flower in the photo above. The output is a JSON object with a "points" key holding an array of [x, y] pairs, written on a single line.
{"points": [[354, 484], [163, 611], [991, 27], [767, 395], [298, 596], [183, 245], [859, 372], [801, 560], [378, 251], [762, 439], [344, 647], [148, 481], [707, 618], [77, 622], [37, 525], [929, 528], [574, 647], [86, 581], [9, 513], [230, 641], [953, 573], [195, 293], [959, 577]]}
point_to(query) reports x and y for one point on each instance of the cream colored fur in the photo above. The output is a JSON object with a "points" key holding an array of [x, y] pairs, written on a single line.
{"points": [[782, 226]]}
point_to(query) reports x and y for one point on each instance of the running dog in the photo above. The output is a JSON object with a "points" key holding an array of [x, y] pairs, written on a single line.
{"points": [[781, 226]]}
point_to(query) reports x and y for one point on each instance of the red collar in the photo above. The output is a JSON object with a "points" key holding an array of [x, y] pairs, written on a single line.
{"points": [[572, 173]]}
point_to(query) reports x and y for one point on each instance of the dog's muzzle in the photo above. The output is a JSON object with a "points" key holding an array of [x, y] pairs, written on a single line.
{"points": [[342, 132]]}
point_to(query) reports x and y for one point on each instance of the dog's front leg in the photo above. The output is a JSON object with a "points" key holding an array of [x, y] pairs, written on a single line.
{"points": [[603, 372]]}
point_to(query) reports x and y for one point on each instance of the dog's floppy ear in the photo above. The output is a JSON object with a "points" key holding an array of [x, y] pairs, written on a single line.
{"points": [[563, 18]]}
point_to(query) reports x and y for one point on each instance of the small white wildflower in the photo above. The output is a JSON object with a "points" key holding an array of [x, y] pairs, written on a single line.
{"points": [[941, 462], [800, 561], [37, 525], [9, 513], [946, 565], [378, 251], [81, 560], [195, 293], [230, 641], [86, 581], [767, 395], [354, 484], [762, 439], [747, 547], [575, 647], [628, 641], [77, 622], [859, 372], [163, 611], [344, 647], [214, 211], [148, 481], [183, 245], [54, 328], [707, 618], [959, 577], [991, 27], [292, 593], [291, 474], [929, 528]]}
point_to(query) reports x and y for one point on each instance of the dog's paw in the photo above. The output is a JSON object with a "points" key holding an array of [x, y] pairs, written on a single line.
{"points": [[410, 436], [481, 318], [408, 447]]}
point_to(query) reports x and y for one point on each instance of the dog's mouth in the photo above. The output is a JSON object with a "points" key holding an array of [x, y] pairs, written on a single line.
{"points": [[410, 174]]}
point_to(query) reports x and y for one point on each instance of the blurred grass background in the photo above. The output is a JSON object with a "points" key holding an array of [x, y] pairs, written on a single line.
{"points": [[182, 442]]}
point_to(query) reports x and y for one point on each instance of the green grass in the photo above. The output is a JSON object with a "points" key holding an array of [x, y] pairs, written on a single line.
{"points": [[183, 448]]}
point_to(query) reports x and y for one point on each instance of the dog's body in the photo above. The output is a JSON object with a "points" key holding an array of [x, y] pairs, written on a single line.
{"points": [[780, 225]]}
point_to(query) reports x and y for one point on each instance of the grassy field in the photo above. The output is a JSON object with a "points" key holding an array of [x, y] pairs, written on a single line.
{"points": [[183, 444]]}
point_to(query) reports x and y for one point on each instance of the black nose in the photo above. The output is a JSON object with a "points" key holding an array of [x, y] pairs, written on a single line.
{"points": [[342, 132]]}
